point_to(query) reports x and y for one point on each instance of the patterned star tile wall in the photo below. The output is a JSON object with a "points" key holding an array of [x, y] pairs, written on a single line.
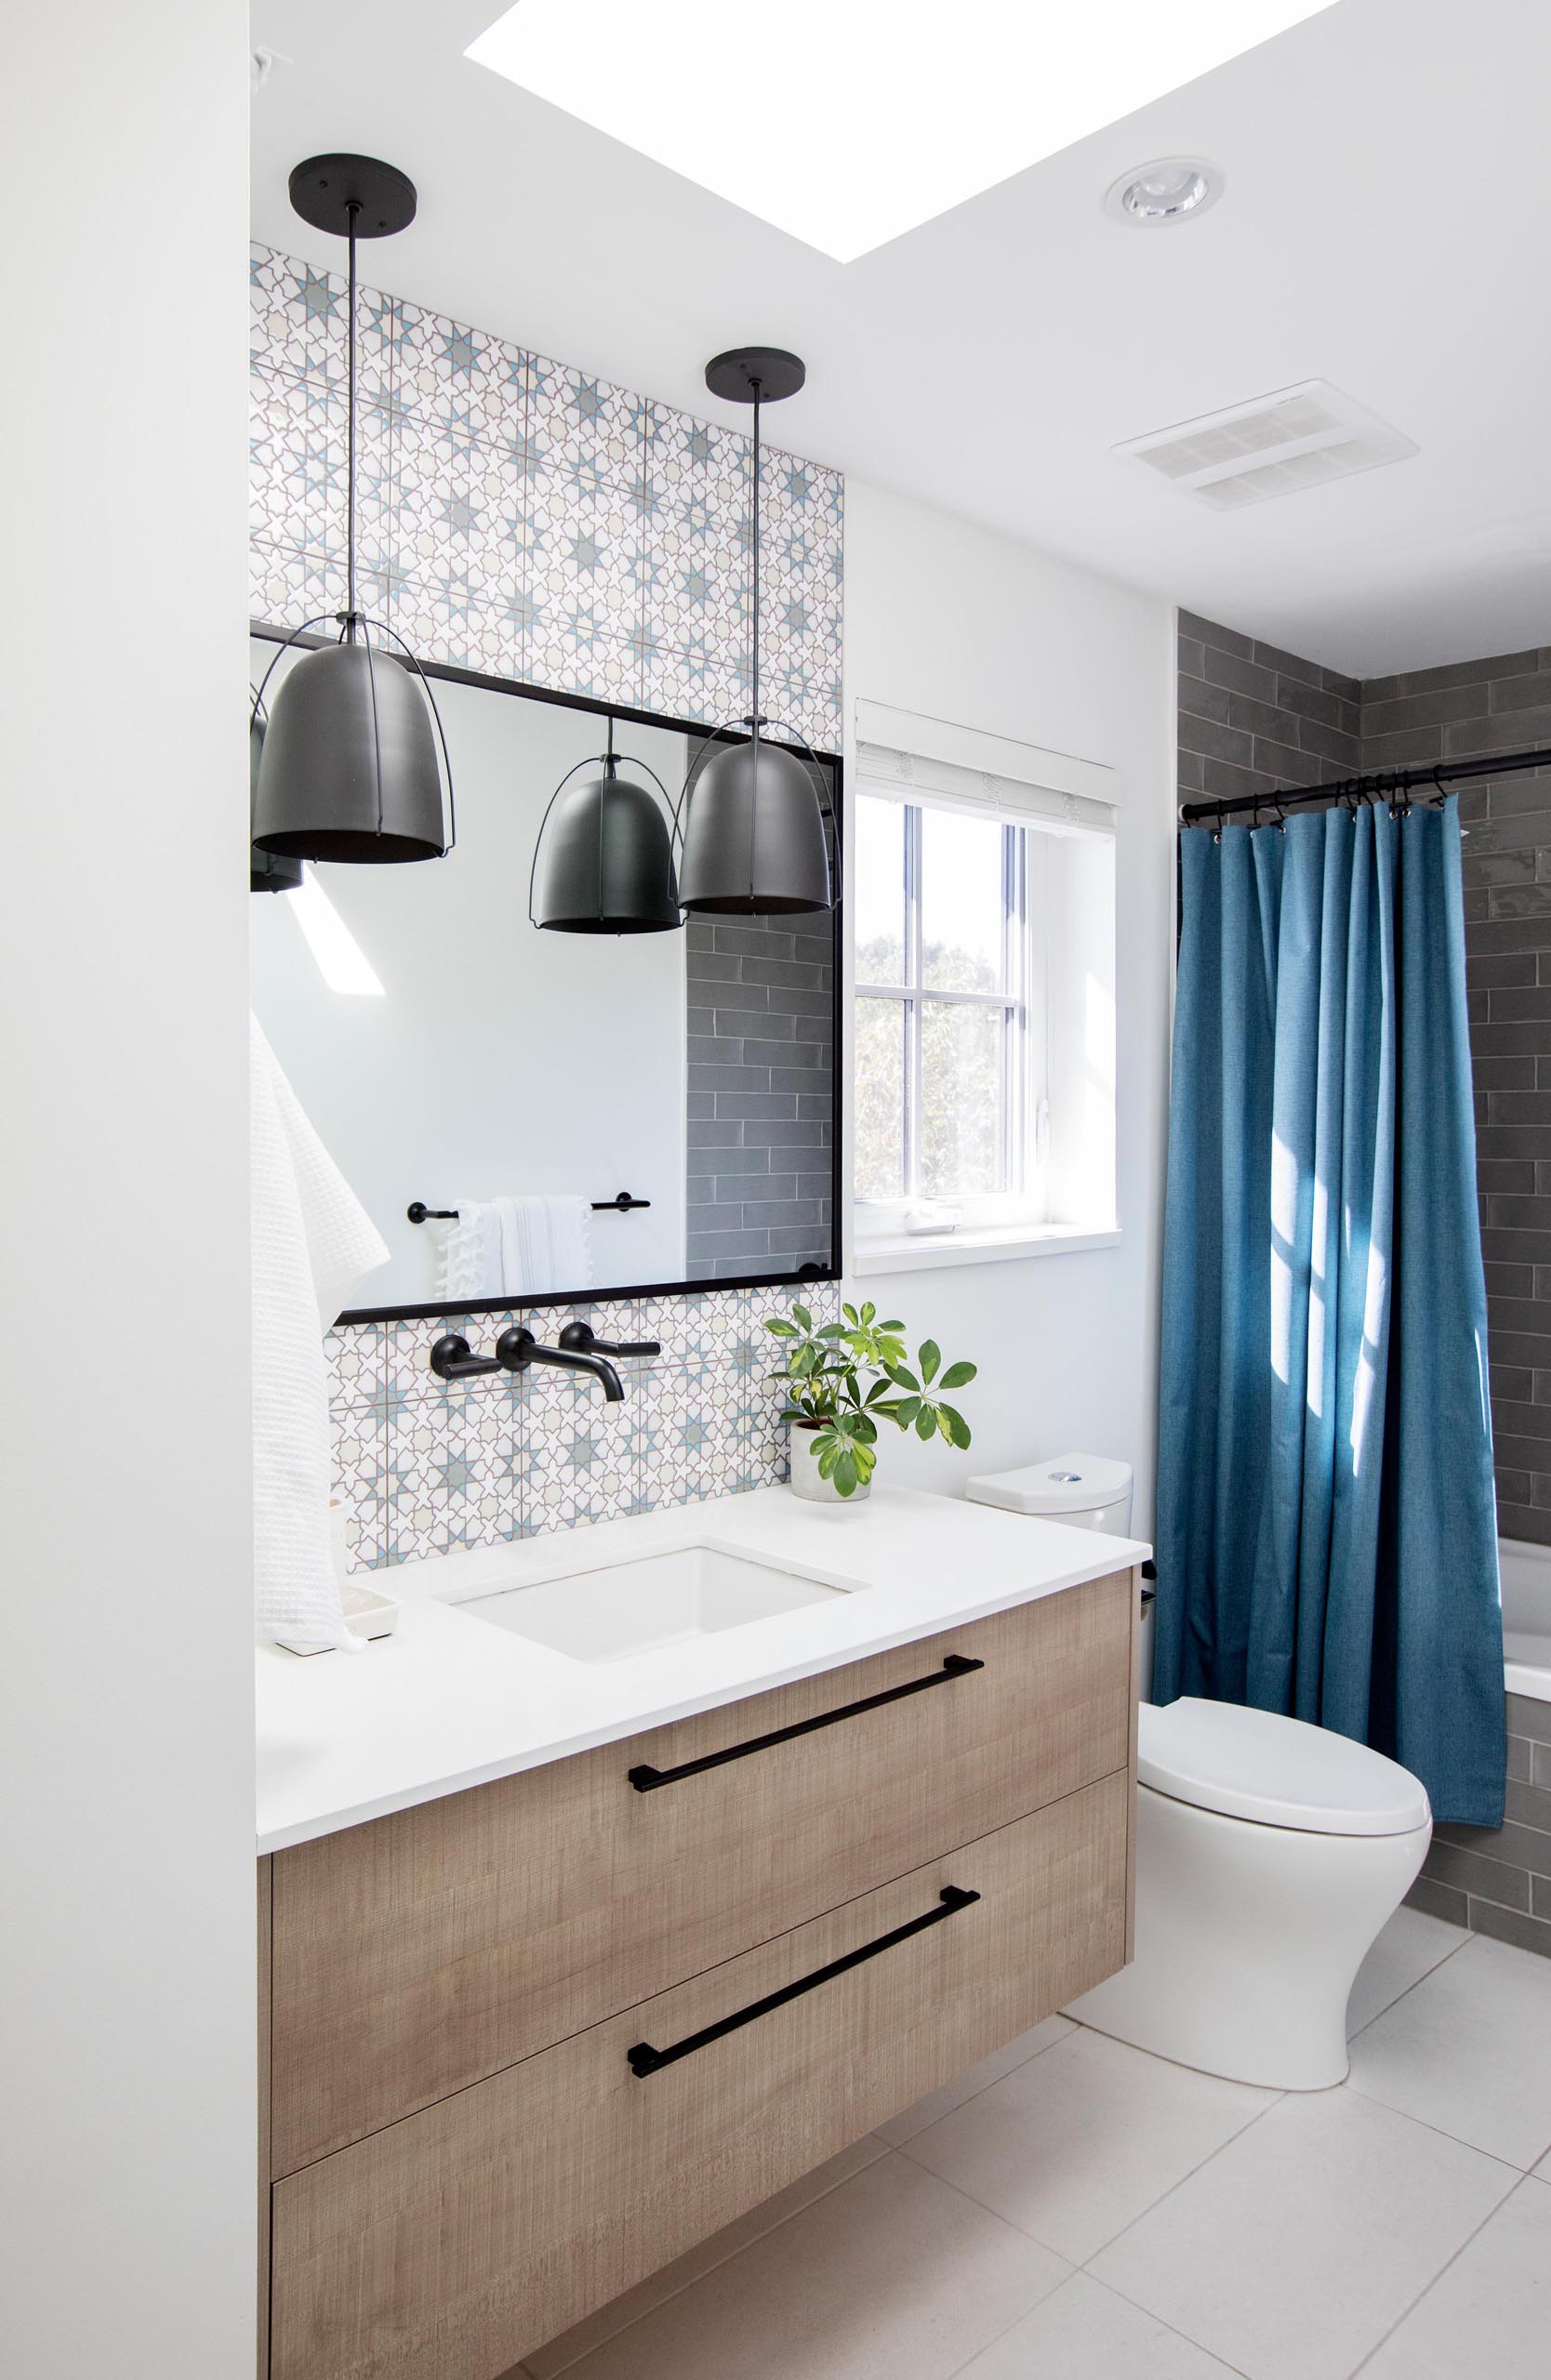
{"points": [[422, 1465], [525, 519]]}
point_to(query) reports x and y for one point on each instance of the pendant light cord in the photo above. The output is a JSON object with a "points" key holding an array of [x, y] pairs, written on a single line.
{"points": [[352, 210], [755, 672]]}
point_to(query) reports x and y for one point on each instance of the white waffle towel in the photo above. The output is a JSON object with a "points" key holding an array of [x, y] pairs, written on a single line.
{"points": [[312, 1241]]}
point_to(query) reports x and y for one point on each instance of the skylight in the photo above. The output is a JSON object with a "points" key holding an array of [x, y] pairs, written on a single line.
{"points": [[847, 122]]}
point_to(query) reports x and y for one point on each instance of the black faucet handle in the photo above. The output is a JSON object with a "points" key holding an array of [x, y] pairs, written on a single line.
{"points": [[580, 1338], [514, 1348], [451, 1359]]}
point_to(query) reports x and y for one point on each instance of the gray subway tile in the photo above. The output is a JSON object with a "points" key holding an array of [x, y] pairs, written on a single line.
{"points": [[1510, 1845], [735, 1160], [1483, 1879], [1237, 674], [1527, 1717], [788, 1215], [1435, 707], [1471, 673], [1215, 741], [1212, 632], [734, 1023], [804, 972], [741, 1106], [747, 1080], [1407, 747], [1500, 731], [712, 966], [1285, 665], [732, 1188], [1524, 1932], [753, 941], [1439, 1900]]}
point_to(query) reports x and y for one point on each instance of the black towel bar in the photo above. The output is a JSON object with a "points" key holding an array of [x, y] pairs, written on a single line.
{"points": [[646, 1780], [621, 1204], [644, 2059]]}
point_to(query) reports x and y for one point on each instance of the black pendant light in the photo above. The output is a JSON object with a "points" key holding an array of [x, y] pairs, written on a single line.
{"points": [[265, 872], [603, 860], [353, 756], [753, 810]]}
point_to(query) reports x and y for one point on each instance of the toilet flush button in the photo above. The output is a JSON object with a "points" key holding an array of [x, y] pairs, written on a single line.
{"points": [[1066, 1478]]}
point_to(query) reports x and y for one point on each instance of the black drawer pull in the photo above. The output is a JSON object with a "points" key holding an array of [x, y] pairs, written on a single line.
{"points": [[646, 1780], [644, 2059]]}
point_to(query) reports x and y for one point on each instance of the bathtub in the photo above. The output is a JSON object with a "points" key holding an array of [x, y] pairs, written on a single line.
{"points": [[1525, 1574]]}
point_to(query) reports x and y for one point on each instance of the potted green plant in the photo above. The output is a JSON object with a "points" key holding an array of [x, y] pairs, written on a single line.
{"points": [[842, 1378]]}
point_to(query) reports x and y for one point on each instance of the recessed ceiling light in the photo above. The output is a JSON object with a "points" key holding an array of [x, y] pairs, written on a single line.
{"points": [[848, 122], [1168, 191]]}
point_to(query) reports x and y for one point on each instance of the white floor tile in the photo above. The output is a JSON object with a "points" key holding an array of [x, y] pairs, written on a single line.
{"points": [[1295, 2250], [1075, 2144], [1468, 2051], [1084, 2332], [893, 2276], [1409, 1947], [572, 2345], [1490, 2312], [973, 2080]]}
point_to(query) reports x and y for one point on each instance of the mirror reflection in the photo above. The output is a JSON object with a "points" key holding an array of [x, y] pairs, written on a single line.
{"points": [[563, 1112]]}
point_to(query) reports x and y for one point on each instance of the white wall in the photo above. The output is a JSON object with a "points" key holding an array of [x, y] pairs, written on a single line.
{"points": [[126, 1878], [955, 622]]}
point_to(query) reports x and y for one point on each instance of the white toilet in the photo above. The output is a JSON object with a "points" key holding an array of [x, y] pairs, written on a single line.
{"points": [[1268, 1855]]}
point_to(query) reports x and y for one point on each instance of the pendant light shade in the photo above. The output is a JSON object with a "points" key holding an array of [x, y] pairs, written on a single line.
{"points": [[353, 756], [752, 812], [266, 873], [350, 767], [604, 863], [753, 833]]}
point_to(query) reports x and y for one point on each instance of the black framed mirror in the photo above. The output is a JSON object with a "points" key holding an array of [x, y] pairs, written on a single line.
{"points": [[643, 1113]]}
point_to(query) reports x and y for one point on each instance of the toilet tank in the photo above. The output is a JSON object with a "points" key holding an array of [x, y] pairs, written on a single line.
{"points": [[1079, 1490]]}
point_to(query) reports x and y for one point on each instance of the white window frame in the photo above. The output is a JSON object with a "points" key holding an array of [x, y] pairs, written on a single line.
{"points": [[1059, 1181], [1019, 1200]]}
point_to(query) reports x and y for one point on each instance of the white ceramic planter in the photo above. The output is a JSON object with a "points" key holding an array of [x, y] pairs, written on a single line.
{"points": [[805, 1478]]}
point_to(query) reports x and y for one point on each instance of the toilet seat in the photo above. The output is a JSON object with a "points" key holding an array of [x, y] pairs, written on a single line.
{"points": [[1270, 1770]]}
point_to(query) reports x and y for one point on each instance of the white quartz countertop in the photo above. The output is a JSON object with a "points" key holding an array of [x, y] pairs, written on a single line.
{"points": [[450, 1701]]}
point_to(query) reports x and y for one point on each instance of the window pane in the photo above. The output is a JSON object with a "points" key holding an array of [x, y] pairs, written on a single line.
{"points": [[880, 1122], [876, 890], [961, 1100], [962, 939]]}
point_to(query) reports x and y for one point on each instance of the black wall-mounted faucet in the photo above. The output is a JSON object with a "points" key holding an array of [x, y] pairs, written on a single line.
{"points": [[452, 1359], [581, 1340], [517, 1348]]}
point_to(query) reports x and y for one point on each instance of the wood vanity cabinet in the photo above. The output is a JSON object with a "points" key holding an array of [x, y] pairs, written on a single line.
{"points": [[885, 1872]]}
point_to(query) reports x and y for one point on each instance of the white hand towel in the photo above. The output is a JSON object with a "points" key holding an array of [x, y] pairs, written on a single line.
{"points": [[312, 1242], [517, 1248], [472, 1253], [545, 1243]]}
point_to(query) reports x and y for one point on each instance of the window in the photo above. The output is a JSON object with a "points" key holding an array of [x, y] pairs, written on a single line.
{"points": [[949, 1053], [982, 1111]]}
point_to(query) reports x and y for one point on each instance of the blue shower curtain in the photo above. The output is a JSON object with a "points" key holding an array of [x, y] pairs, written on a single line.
{"points": [[1326, 1529]]}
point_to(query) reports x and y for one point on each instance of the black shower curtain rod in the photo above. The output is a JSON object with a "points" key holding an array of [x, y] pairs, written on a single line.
{"points": [[1438, 776]]}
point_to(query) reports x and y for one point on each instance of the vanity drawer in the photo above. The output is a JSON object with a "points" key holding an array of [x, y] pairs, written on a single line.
{"points": [[420, 1953], [450, 2244]]}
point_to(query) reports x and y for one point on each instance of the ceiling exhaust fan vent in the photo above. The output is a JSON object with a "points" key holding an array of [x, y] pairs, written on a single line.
{"points": [[1274, 446]]}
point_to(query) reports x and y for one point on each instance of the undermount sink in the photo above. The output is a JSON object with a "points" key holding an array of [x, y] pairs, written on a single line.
{"points": [[661, 1599]]}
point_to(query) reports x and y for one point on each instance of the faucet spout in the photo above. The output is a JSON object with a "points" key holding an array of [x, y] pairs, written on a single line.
{"points": [[517, 1349]]}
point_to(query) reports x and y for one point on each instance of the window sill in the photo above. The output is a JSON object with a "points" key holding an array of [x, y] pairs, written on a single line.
{"points": [[925, 1253]]}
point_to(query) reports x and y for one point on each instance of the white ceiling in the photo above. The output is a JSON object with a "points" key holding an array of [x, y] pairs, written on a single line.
{"points": [[1383, 227]]}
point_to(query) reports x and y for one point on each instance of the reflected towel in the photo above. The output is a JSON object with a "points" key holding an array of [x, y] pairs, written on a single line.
{"points": [[312, 1242], [517, 1248]]}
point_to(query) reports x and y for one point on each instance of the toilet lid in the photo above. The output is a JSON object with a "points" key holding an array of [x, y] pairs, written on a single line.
{"points": [[1061, 1483], [1274, 1771]]}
